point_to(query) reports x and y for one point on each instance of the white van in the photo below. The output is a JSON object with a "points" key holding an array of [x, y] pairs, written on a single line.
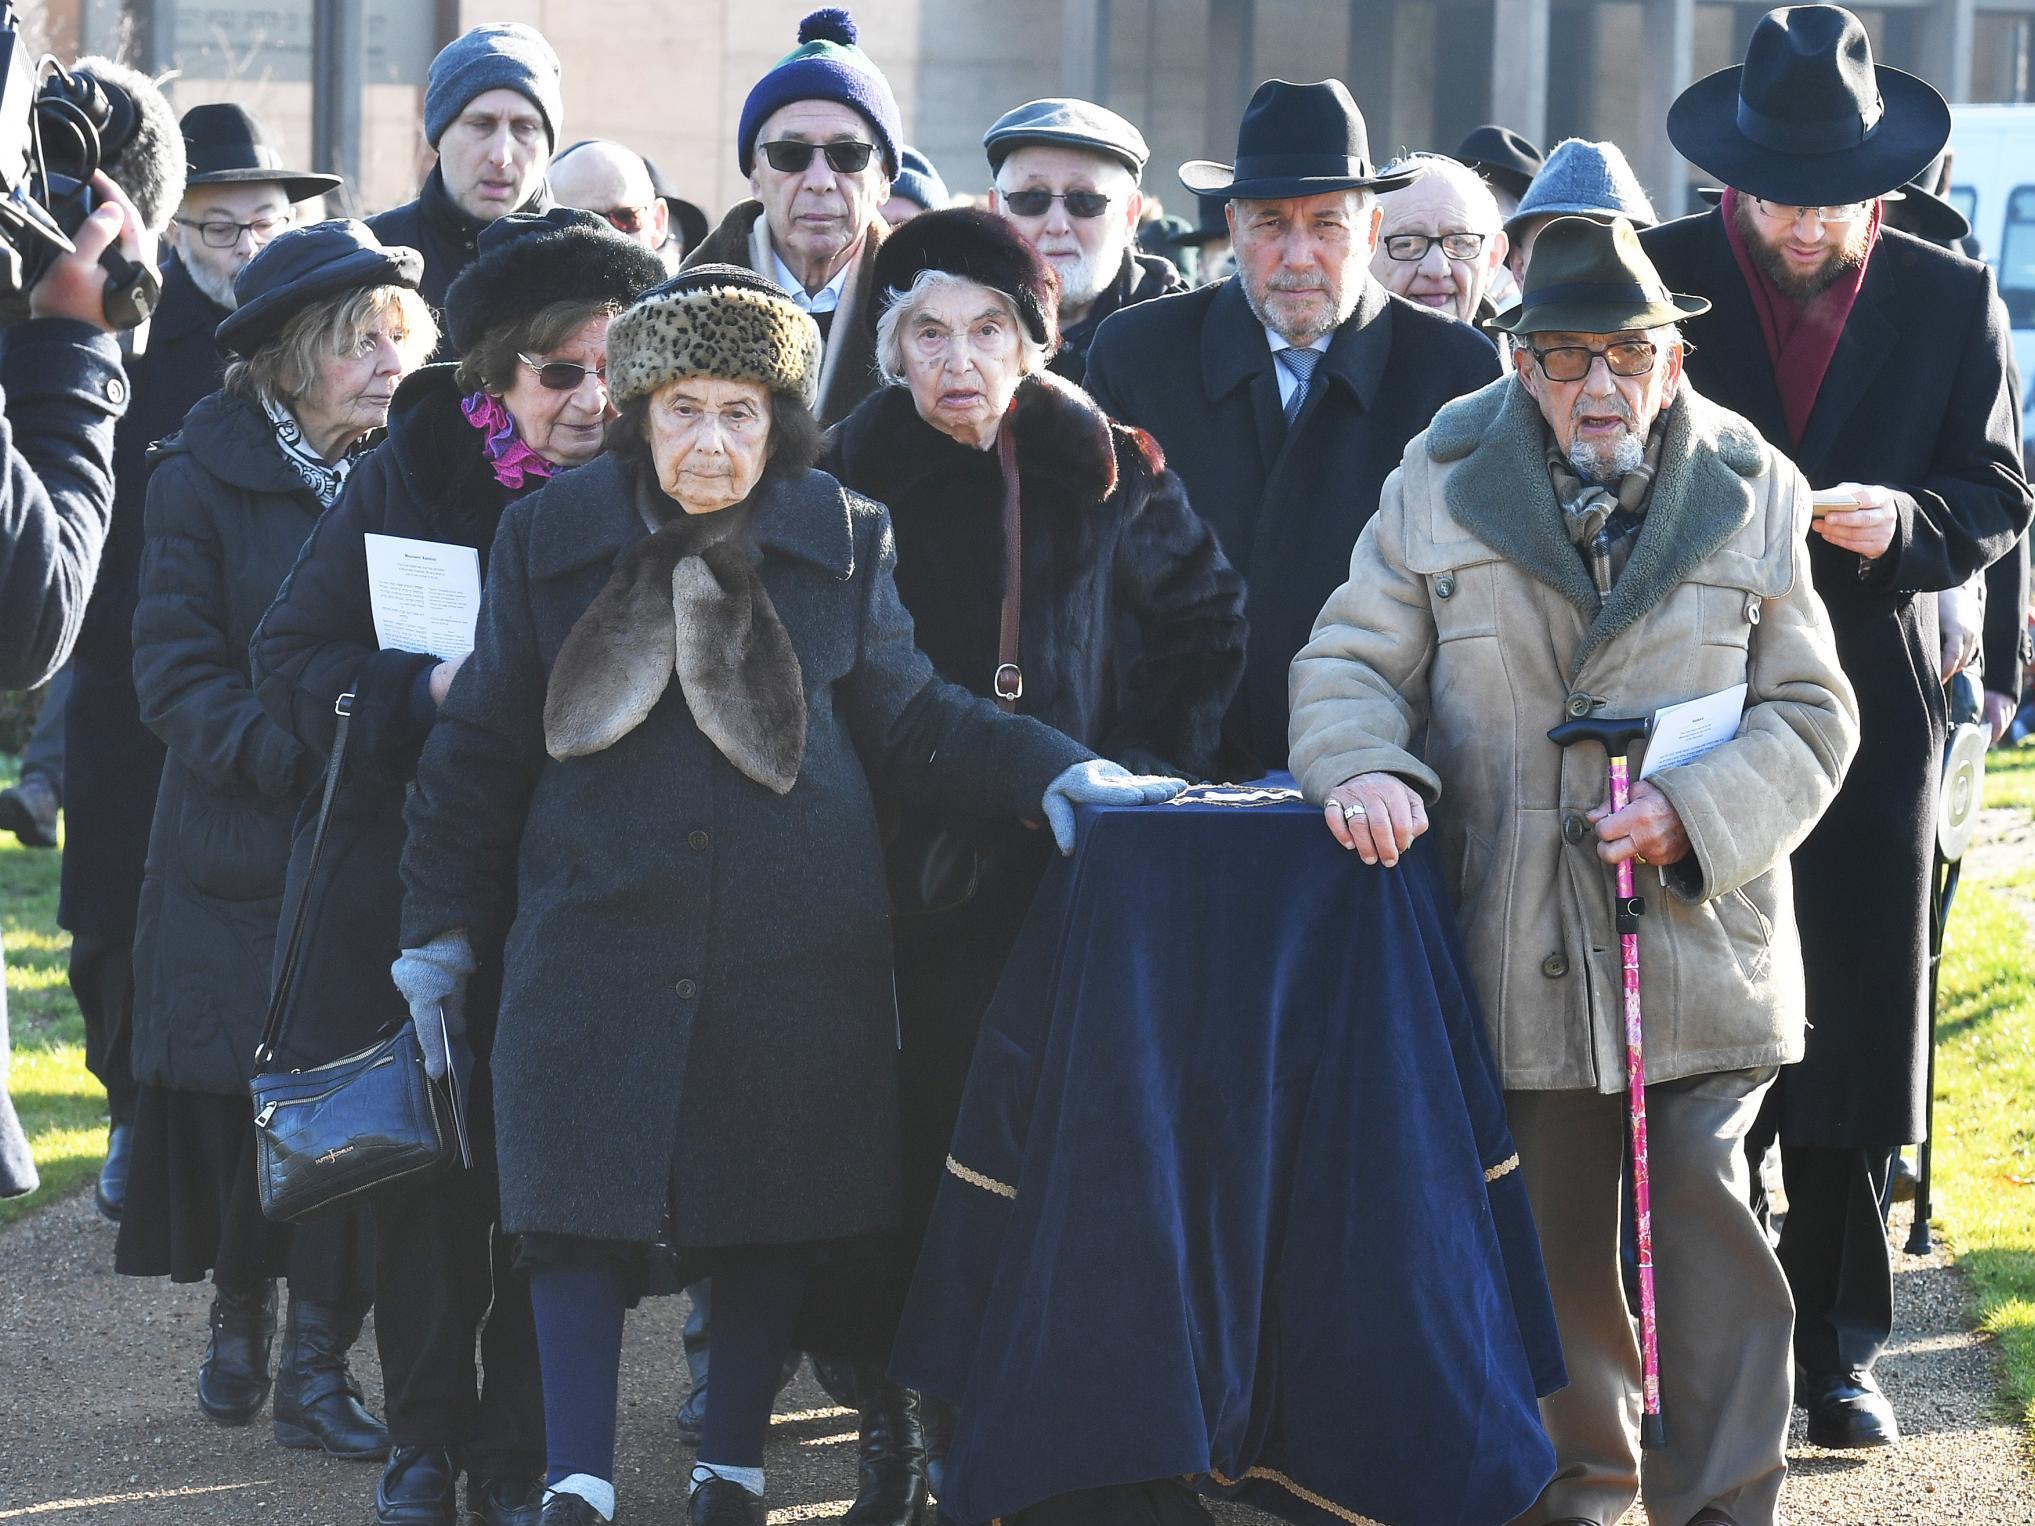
{"points": [[1992, 182]]}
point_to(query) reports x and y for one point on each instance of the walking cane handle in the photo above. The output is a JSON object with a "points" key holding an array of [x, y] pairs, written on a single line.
{"points": [[1615, 734]]}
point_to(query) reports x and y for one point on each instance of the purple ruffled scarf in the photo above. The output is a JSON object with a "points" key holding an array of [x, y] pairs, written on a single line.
{"points": [[515, 464]]}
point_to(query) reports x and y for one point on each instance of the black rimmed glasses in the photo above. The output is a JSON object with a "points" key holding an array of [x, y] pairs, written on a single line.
{"points": [[223, 233], [1571, 362], [1409, 247], [788, 156], [563, 375], [1038, 203]]}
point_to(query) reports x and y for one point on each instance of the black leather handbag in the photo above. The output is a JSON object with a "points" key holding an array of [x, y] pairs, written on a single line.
{"points": [[329, 1134]]}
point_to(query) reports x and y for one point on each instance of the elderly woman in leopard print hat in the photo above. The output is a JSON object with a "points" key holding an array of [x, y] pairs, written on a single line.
{"points": [[648, 798]]}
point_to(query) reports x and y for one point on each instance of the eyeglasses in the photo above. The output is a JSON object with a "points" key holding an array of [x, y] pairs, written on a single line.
{"points": [[789, 157], [1038, 203], [1571, 362], [631, 220], [218, 233], [1829, 217], [563, 375], [1409, 247]]}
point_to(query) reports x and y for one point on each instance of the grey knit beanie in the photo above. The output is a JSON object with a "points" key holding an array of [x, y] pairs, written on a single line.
{"points": [[500, 55]]}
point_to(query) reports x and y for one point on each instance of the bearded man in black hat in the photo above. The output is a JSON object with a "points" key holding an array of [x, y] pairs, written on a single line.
{"points": [[238, 195], [1284, 395], [1880, 363]]}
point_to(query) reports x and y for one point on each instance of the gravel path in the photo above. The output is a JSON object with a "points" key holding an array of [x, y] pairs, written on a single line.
{"points": [[96, 1372]]}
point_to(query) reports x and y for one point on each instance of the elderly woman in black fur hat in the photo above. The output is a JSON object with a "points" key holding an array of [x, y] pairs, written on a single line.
{"points": [[466, 440], [1130, 635], [648, 803], [329, 322]]}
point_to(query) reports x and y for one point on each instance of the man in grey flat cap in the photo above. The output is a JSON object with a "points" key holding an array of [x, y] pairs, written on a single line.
{"points": [[1068, 174]]}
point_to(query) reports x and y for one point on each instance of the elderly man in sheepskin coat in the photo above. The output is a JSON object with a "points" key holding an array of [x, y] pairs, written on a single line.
{"points": [[1589, 536]]}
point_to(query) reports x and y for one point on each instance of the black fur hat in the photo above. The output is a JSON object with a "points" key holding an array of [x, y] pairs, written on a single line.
{"points": [[981, 247], [530, 260]]}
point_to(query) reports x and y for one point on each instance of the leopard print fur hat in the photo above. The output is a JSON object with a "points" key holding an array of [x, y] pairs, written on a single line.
{"points": [[714, 320]]}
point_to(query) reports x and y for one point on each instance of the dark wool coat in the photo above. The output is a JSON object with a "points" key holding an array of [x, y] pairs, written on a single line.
{"points": [[226, 515], [445, 233], [848, 368], [1918, 398], [61, 390], [113, 763], [1197, 372], [428, 480], [1143, 277], [696, 993]]}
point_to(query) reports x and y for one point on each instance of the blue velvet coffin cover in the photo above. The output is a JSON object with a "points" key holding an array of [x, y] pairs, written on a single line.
{"points": [[1232, 1196]]}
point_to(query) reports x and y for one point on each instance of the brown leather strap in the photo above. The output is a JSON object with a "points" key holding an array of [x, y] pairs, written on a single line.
{"points": [[1010, 679]]}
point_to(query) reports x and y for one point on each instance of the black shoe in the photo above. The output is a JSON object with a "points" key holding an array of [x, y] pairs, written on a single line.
{"points": [[571, 1510], [233, 1379], [317, 1401], [111, 1193], [692, 1415], [419, 1487], [29, 811], [893, 1489], [503, 1501], [717, 1502], [836, 1380], [1847, 1411]]}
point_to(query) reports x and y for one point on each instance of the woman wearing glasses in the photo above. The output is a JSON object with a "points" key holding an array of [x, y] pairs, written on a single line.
{"points": [[465, 441]]}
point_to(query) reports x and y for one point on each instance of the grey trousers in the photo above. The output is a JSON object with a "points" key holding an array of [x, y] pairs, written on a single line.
{"points": [[1725, 1314]]}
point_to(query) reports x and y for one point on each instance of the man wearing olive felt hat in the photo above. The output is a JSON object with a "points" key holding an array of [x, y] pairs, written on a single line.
{"points": [[1881, 364], [1284, 395], [1592, 535]]}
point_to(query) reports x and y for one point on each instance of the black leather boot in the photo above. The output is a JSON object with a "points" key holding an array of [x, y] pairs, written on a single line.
{"points": [[317, 1401], [893, 1490], [717, 1502], [418, 1487], [111, 1191], [233, 1379]]}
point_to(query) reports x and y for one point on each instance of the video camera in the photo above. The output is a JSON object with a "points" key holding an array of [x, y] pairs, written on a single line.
{"points": [[56, 130]]}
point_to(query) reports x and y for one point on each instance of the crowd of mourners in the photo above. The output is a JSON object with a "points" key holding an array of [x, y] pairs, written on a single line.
{"points": [[832, 553]]}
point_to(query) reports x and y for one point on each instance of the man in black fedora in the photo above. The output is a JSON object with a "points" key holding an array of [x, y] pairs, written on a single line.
{"points": [[1880, 363], [1284, 395], [238, 195]]}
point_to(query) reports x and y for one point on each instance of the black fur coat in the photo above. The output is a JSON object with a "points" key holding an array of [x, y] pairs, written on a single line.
{"points": [[1115, 563]]}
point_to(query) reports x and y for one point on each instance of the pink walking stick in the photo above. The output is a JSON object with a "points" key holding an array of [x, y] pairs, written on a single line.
{"points": [[1616, 738]]}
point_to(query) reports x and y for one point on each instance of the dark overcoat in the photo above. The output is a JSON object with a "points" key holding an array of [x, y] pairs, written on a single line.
{"points": [[445, 233], [63, 390], [113, 763], [428, 480], [1196, 370], [226, 515], [1918, 398], [696, 996]]}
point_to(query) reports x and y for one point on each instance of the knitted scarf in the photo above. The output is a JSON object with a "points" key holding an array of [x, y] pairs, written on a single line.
{"points": [[1801, 337]]}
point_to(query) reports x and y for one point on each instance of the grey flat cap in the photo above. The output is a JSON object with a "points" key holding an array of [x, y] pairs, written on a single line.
{"points": [[1067, 123]]}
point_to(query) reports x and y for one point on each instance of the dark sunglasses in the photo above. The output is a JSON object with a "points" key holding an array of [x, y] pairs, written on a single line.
{"points": [[563, 375], [1571, 362], [627, 219], [1036, 203], [790, 158]]}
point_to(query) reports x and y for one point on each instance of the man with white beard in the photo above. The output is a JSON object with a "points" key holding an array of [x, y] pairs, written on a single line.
{"points": [[1067, 175], [237, 197]]}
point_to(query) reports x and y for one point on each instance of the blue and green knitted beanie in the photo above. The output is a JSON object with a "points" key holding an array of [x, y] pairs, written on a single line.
{"points": [[825, 66]]}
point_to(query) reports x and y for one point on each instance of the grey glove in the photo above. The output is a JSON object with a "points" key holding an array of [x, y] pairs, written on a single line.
{"points": [[433, 979], [1100, 782]]}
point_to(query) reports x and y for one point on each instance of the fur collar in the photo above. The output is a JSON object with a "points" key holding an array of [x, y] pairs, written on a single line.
{"points": [[1499, 491], [889, 452]]}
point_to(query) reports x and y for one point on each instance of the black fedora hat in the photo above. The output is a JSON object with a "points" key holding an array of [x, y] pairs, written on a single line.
{"points": [[1808, 119], [1211, 224], [1295, 140], [1588, 276], [226, 144], [1503, 157], [306, 265], [687, 221]]}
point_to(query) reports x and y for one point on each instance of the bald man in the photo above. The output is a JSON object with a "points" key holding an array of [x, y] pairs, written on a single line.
{"points": [[606, 178]]}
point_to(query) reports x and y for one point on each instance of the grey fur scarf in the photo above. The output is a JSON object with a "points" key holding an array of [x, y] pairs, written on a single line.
{"points": [[686, 602]]}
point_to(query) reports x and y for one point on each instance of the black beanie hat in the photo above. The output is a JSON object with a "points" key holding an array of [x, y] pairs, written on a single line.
{"points": [[528, 260], [978, 246]]}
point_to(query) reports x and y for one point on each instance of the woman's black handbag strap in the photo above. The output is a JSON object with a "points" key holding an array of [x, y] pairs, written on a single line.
{"points": [[286, 978]]}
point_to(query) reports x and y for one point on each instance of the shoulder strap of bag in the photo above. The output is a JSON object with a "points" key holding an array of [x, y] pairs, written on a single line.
{"points": [[279, 998], [1010, 678]]}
